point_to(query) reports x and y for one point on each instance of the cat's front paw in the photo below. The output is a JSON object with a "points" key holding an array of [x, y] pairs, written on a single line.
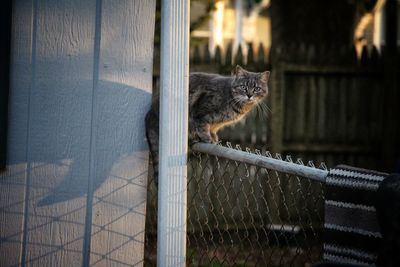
{"points": [[204, 137], [196, 137], [206, 140], [193, 141], [214, 138]]}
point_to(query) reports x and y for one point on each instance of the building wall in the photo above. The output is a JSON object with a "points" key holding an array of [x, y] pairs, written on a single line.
{"points": [[223, 24], [76, 175], [379, 26]]}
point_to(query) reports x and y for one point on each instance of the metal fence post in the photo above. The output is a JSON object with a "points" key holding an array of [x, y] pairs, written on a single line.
{"points": [[174, 81]]}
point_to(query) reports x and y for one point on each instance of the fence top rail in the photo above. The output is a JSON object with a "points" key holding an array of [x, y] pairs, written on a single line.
{"points": [[262, 161]]}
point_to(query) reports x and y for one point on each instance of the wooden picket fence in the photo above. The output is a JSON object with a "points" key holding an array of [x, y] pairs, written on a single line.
{"points": [[325, 103]]}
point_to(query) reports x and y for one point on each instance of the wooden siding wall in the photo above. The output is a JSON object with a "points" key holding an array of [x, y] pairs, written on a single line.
{"points": [[76, 175]]}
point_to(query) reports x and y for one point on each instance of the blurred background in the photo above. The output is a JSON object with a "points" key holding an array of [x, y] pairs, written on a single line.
{"points": [[333, 99], [334, 86]]}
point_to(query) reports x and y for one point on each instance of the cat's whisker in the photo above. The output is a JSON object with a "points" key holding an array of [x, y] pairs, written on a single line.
{"points": [[237, 101], [265, 106], [260, 112], [261, 107], [234, 101]]}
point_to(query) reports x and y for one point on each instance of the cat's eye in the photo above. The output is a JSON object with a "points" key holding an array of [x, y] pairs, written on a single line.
{"points": [[257, 89]]}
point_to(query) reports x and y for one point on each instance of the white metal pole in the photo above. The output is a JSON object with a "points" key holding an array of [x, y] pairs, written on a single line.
{"points": [[262, 161], [238, 25], [217, 27], [174, 81]]}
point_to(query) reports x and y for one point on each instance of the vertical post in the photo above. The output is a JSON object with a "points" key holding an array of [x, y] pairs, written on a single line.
{"points": [[174, 79], [391, 93], [238, 25], [217, 27], [276, 124], [5, 47]]}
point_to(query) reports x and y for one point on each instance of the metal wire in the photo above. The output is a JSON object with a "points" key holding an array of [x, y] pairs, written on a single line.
{"points": [[240, 214]]}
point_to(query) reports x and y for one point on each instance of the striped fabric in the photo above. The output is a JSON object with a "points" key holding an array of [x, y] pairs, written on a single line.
{"points": [[352, 234]]}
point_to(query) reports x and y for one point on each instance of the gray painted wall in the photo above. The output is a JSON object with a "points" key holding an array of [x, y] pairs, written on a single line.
{"points": [[77, 163]]}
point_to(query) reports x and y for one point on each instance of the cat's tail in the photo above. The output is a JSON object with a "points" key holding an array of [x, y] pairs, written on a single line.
{"points": [[152, 135]]}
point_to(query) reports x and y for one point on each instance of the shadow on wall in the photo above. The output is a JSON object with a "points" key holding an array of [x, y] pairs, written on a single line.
{"points": [[75, 182], [116, 143], [110, 149]]}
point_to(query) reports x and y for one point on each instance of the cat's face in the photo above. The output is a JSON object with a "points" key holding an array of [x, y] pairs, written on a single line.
{"points": [[249, 87]]}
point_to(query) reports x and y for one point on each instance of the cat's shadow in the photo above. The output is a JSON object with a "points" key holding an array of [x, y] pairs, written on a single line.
{"points": [[114, 147]]}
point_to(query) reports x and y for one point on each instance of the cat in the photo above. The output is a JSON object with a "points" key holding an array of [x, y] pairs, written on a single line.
{"points": [[215, 101]]}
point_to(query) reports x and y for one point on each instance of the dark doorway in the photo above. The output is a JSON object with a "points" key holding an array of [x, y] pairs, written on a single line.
{"points": [[5, 47]]}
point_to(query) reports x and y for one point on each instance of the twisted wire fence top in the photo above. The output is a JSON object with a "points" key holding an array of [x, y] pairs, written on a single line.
{"points": [[264, 160], [247, 208]]}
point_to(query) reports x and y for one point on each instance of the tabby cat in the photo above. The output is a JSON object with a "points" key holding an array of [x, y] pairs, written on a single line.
{"points": [[215, 101]]}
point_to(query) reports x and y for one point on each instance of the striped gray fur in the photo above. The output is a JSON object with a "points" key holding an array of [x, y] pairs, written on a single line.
{"points": [[215, 101]]}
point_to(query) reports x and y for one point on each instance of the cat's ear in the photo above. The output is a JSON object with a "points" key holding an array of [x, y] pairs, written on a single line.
{"points": [[238, 71], [265, 76]]}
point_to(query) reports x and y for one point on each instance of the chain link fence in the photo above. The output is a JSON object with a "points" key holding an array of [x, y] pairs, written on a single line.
{"points": [[240, 214]]}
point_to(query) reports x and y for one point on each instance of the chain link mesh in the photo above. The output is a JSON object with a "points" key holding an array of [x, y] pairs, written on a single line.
{"points": [[244, 215]]}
